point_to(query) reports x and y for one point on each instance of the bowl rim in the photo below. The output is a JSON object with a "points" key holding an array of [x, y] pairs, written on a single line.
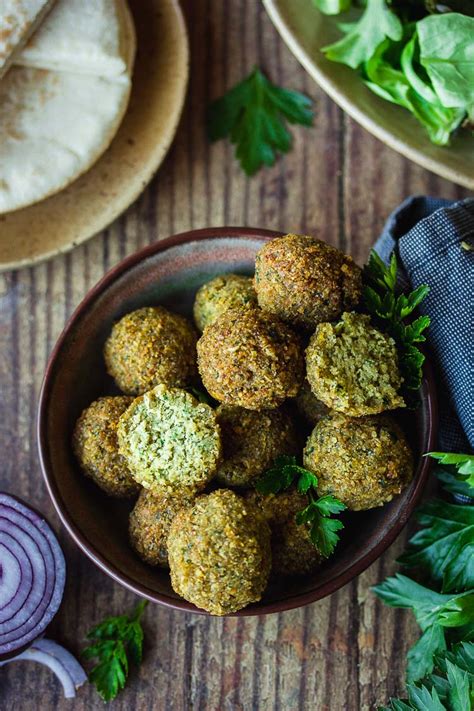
{"points": [[333, 90], [292, 601]]}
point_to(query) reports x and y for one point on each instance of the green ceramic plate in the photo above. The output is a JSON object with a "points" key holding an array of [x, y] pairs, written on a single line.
{"points": [[305, 30]]}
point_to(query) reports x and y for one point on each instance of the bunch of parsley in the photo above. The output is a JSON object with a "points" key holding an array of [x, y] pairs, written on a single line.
{"points": [[440, 672], [323, 529], [414, 54], [393, 312]]}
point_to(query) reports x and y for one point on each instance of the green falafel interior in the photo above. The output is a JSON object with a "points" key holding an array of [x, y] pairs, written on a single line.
{"points": [[224, 498]]}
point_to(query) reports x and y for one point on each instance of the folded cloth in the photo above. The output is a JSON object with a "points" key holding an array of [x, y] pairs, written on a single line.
{"points": [[433, 240]]}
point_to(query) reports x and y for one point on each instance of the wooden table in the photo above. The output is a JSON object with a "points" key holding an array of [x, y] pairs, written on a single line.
{"points": [[346, 653]]}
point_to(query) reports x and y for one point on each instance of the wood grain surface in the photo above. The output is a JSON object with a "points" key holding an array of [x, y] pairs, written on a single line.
{"points": [[346, 653]]}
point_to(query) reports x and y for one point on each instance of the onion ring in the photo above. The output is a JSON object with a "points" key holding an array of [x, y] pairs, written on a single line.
{"points": [[32, 575]]}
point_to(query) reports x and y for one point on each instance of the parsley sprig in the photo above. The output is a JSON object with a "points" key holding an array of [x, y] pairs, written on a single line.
{"points": [[463, 463], [116, 642], [443, 550], [317, 514], [254, 114], [449, 688], [392, 311]]}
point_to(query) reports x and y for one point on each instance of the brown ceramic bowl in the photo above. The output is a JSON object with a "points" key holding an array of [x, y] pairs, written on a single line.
{"points": [[168, 273]]}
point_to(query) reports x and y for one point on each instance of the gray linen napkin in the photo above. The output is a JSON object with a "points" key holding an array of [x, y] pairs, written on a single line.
{"points": [[431, 238]]}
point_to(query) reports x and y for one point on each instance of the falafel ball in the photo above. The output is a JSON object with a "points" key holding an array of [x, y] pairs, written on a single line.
{"points": [[353, 368], [150, 346], [305, 281], [251, 442], [363, 461], [96, 447], [170, 441], [149, 524], [224, 292], [309, 406], [219, 553], [250, 359], [293, 552]]}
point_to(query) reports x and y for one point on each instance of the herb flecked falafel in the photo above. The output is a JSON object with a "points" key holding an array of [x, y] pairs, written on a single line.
{"points": [[305, 281], [150, 346], [353, 368], [224, 292], [219, 553], [293, 552], [170, 441], [96, 446], [250, 359], [363, 461], [150, 522], [251, 442]]}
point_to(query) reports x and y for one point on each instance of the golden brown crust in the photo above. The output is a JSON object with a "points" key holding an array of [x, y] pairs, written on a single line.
{"points": [[251, 442], [95, 445], [224, 292], [150, 522], [219, 553], [250, 359], [150, 346], [363, 461], [305, 281], [293, 552]]}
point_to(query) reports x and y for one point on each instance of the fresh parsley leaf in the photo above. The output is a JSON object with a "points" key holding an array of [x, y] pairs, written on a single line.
{"points": [[115, 640], [452, 483], [421, 656], [324, 534], [449, 688], [390, 311], [323, 529], [328, 505], [431, 609], [458, 694], [363, 37], [444, 547], [307, 481], [282, 475], [254, 115], [464, 464], [317, 514]]}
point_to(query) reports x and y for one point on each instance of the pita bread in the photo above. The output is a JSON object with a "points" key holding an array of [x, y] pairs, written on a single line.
{"points": [[88, 37], [18, 20], [55, 124], [53, 127]]}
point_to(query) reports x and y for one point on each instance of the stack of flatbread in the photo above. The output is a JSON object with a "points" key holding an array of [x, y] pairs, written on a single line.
{"points": [[65, 80]]}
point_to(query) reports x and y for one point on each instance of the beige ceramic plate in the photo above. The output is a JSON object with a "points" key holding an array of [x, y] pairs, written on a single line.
{"points": [[305, 30], [90, 203]]}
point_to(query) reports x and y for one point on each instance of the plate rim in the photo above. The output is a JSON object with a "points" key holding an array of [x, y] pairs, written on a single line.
{"points": [[146, 176], [332, 90], [89, 549]]}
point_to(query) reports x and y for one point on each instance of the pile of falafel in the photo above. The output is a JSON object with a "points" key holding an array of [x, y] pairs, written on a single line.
{"points": [[293, 367]]}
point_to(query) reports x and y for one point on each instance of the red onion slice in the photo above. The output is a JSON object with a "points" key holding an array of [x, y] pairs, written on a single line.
{"points": [[32, 575], [59, 660]]}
